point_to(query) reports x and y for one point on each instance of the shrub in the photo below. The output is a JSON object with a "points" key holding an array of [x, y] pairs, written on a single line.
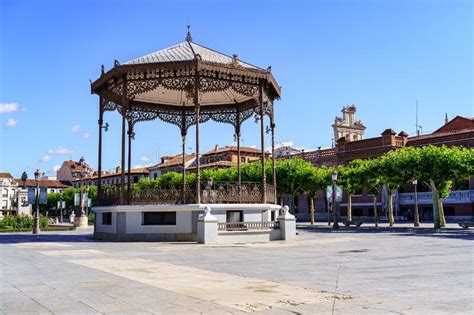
{"points": [[21, 222]]}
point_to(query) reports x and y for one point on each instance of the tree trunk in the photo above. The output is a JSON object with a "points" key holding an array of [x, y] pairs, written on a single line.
{"points": [[442, 219], [349, 207], [311, 209], [391, 220], [436, 221], [376, 215]]}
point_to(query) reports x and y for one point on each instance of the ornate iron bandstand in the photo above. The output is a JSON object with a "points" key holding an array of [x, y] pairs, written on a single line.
{"points": [[185, 85]]}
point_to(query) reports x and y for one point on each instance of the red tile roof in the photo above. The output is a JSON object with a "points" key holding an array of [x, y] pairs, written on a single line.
{"points": [[233, 149], [50, 183], [457, 124]]}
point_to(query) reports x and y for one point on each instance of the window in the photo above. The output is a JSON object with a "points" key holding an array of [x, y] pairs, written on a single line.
{"points": [[159, 218], [5, 193], [135, 179], [106, 218], [234, 216], [155, 176]]}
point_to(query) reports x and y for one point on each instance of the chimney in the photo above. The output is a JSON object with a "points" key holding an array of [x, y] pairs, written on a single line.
{"points": [[388, 137], [118, 169], [446, 118], [216, 147]]}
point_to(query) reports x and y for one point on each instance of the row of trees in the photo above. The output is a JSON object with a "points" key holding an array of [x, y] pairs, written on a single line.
{"points": [[436, 167]]}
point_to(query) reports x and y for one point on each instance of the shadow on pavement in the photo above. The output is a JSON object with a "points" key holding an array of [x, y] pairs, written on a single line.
{"points": [[12, 238], [449, 233]]}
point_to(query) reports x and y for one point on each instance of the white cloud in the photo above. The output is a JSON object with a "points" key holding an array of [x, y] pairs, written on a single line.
{"points": [[141, 165], [60, 151], [11, 122], [46, 158], [76, 128], [6, 108], [144, 159], [86, 135]]}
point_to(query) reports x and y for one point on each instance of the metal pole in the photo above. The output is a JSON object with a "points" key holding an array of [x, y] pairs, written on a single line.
{"points": [[272, 126], [417, 214], [129, 183], [237, 138], [80, 195], [36, 229], [335, 215], [183, 140], [99, 167], [122, 164], [61, 209], [329, 212], [262, 144], [198, 162]]}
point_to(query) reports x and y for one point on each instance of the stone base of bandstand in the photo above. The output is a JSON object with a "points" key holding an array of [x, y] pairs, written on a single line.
{"points": [[194, 222]]}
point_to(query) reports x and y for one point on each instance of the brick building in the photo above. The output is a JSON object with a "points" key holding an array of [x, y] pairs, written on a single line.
{"points": [[460, 204]]}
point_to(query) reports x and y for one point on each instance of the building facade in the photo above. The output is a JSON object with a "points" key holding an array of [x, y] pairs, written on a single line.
{"points": [[113, 178], [347, 126], [69, 170], [8, 190], [459, 205]]}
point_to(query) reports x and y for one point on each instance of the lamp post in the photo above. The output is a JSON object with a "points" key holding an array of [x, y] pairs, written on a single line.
{"points": [[80, 173], [417, 214], [334, 207], [36, 226], [61, 207]]}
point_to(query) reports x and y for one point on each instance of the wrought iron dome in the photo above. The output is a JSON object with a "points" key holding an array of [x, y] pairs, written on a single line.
{"points": [[187, 84], [171, 77]]}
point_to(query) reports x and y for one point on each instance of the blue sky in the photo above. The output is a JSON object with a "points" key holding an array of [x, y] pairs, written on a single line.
{"points": [[379, 55]]}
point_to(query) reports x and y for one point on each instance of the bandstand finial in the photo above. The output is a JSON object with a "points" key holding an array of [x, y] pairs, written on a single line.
{"points": [[188, 35]]}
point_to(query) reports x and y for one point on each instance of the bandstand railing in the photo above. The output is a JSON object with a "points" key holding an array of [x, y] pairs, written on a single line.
{"points": [[247, 226], [216, 192]]}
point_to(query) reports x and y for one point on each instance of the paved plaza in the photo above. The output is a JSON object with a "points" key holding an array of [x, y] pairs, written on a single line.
{"points": [[350, 271]]}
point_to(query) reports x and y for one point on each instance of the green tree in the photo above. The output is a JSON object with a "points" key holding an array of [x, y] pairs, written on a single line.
{"points": [[369, 176], [349, 178], [290, 175], [394, 172], [68, 196], [313, 180], [437, 167]]}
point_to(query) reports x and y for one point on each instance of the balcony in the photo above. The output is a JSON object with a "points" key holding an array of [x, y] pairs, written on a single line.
{"points": [[455, 196], [217, 192]]}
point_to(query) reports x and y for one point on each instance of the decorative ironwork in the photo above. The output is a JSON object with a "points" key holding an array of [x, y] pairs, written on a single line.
{"points": [[217, 192], [248, 226], [121, 86]]}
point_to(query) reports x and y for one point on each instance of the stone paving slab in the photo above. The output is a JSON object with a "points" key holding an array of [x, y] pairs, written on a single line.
{"points": [[386, 271]]}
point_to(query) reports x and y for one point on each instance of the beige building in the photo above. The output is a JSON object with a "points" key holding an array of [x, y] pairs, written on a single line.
{"points": [[348, 126], [66, 173], [8, 189]]}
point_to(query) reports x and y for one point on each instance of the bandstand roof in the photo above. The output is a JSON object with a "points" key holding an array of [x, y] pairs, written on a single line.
{"points": [[167, 77], [188, 51]]}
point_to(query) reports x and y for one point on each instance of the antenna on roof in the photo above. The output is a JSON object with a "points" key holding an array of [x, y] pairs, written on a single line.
{"points": [[418, 128]]}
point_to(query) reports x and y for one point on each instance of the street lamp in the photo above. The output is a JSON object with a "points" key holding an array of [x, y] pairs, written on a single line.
{"points": [[36, 227], [417, 214], [80, 173], [334, 187]]}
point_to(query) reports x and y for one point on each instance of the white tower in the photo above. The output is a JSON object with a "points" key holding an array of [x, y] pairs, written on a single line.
{"points": [[347, 126]]}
